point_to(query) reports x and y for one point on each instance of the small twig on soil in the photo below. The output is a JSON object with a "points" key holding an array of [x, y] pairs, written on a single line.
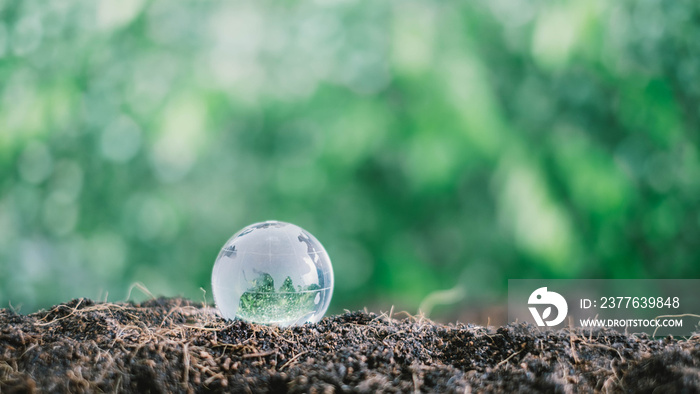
{"points": [[263, 354], [277, 335], [606, 347], [204, 296], [28, 349], [491, 338], [213, 378], [416, 383], [573, 348], [186, 363], [203, 328], [141, 287], [408, 315], [291, 360], [393, 333], [172, 310], [508, 358], [64, 317]]}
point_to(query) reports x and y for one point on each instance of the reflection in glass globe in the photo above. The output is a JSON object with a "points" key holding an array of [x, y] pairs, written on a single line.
{"points": [[273, 273]]}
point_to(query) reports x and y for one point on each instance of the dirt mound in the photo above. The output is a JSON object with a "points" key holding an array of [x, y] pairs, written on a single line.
{"points": [[175, 345]]}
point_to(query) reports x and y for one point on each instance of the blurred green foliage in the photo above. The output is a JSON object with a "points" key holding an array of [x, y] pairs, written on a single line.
{"points": [[427, 145]]}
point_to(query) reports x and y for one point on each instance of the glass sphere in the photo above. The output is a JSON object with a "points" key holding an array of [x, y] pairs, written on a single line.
{"points": [[273, 273]]}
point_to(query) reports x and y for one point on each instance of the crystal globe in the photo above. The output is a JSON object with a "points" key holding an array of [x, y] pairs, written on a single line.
{"points": [[273, 273]]}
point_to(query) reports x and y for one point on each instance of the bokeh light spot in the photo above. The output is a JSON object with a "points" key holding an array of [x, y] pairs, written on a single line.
{"points": [[120, 140], [35, 163]]}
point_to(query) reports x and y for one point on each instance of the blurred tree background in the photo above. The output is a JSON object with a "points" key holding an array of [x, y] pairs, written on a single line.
{"points": [[428, 145]]}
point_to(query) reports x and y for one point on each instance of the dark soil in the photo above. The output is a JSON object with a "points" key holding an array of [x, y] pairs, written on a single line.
{"points": [[175, 345]]}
